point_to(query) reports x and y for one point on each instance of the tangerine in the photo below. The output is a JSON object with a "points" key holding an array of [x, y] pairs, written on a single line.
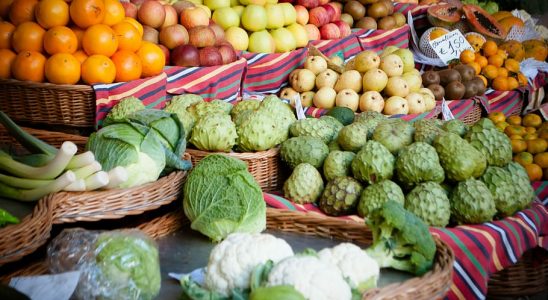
{"points": [[467, 56], [512, 65], [541, 159], [29, 66], [114, 12], [152, 59], [534, 171], [22, 11], [532, 120], [497, 117], [60, 39], [502, 53], [476, 66], [100, 39], [28, 36], [512, 83], [482, 61], [128, 36], [490, 72], [518, 146], [62, 68], [536, 146], [6, 32], [489, 48], [80, 55], [98, 69], [128, 65], [85, 13], [514, 120], [51, 13], [496, 60], [500, 83], [6, 59], [135, 23]]}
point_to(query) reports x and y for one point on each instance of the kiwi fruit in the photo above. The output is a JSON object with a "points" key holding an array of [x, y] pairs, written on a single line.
{"points": [[470, 89], [448, 75], [377, 10], [386, 23], [400, 19], [355, 9], [481, 86], [437, 90], [454, 90], [466, 72], [366, 23], [430, 77]]}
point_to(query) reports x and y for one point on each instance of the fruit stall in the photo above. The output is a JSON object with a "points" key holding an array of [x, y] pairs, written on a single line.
{"points": [[273, 149]]}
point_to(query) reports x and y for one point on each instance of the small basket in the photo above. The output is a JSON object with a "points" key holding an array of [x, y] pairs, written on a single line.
{"points": [[47, 103], [51, 137], [529, 276], [263, 165], [474, 115]]}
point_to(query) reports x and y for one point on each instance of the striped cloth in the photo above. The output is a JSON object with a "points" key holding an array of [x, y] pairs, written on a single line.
{"points": [[346, 47], [508, 102], [377, 40], [480, 250]]}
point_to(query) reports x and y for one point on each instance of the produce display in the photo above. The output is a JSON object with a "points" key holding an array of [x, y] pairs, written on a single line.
{"points": [[459, 82], [372, 15]]}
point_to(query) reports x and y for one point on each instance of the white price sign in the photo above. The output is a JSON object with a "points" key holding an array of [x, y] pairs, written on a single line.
{"points": [[449, 46], [446, 111]]}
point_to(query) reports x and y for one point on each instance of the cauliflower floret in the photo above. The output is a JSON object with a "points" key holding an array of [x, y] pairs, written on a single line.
{"points": [[313, 278], [361, 271], [232, 261]]}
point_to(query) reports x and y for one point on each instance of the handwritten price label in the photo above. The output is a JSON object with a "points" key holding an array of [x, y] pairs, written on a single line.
{"points": [[449, 46]]}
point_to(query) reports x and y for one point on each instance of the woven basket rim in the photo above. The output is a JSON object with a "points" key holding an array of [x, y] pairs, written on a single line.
{"points": [[47, 85], [241, 155]]}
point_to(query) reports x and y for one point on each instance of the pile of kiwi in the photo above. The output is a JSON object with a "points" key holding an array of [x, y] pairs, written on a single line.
{"points": [[372, 14], [459, 82]]}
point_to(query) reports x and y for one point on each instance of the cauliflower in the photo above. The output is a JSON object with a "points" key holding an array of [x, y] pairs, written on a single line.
{"points": [[360, 270], [232, 261], [312, 277]]}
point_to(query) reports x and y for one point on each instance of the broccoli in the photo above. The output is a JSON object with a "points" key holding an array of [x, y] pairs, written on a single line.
{"points": [[401, 240], [122, 109]]}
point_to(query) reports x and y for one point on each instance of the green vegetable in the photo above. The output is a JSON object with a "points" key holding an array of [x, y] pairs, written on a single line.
{"points": [[401, 240], [221, 197], [7, 218], [286, 292], [34, 194], [122, 109], [192, 291]]}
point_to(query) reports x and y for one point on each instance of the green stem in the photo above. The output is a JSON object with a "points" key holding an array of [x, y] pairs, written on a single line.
{"points": [[23, 183], [32, 143], [35, 194]]}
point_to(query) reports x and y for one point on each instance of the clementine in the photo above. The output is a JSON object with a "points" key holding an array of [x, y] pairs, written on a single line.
{"points": [[114, 12], [22, 11], [62, 68], [51, 13], [6, 32], [28, 36], [128, 65], [60, 39], [100, 39], [128, 36], [152, 59], [98, 69], [85, 13]]}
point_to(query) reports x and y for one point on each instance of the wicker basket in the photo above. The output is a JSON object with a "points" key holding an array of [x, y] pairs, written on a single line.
{"points": [[265, 166], [518, 109], [46, 103], [529, 276], [473, 116], [51, 137]]}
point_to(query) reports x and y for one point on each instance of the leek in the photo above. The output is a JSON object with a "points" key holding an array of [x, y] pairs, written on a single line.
{"points": [[32, 143], [96, 181], [35, 194], [23, 183], [85, 172], [116, 176], [81, 160], [78, 186]]}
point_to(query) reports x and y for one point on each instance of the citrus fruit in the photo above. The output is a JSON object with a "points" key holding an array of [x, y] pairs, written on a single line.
{"points": [[128, 65], [98, 69], [114, 12], [6, 32], [51, 13], [152, 59], [6, 59], [85, 13], [29, 65], [62, 68], [22, 11], [99, 39], [60, 39], [28, 36], [128, 36]]}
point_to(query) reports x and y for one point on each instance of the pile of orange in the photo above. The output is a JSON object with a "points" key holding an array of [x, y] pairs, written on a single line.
{"points": [[65, 42], [495, 67], [529, 138]]}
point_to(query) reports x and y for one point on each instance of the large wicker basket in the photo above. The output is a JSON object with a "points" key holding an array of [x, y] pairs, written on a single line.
{"points": [[70, 105], [432, 285], [474, 115], [265, 166]]}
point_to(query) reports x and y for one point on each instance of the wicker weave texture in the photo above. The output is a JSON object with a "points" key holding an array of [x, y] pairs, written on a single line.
{"points": [[473, 116]]}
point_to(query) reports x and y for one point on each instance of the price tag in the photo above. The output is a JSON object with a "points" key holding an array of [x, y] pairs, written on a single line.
{"points": [[446, 111], [299, 107], [449, 46]]}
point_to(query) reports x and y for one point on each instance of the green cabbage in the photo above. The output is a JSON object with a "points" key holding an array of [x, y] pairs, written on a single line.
{"points": [[222, 197]]}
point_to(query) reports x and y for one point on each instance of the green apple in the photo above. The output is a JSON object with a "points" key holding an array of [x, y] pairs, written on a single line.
{"points": [[299, 33], [237, 37], [196, 1], [290, 15], [283, 39], [408, 59], [254, 18], [234, 3], [226, 17], [255, 2], [239, 10], [275, 16], [261, 42], [215, 4], [271, 1]]}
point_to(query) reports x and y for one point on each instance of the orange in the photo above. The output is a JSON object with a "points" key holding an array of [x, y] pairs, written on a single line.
{"points": [[512, 83], [524, 158], [500, 84], [476, 66], [530, 136], [6, 31], [98, 69], [483, 79], [534, 171], [514, 120], [29, 66], [502, 53], [530, 129], [541, 159], [532, 120], [522, 79], [114, 12], [502, 72], [28, 36], [128, 65], [489, 48], [5, 8], [481, 60], [100, 39], [62, 68], [135, 23], [518, 146], [536, 146], [490, 72], [60, 39], [514, 129], [22, 11], [467, 56], [6, 59], [152, 59], [438, 32], [512, 65], [516, 137], [496, 60], [85, 13], [502, 125], [128, 36], [543, 134], [497, 117], [80, 55], [79, 32], [51, 13]]}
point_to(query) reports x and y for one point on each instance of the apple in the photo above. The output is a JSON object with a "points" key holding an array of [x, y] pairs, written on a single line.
{"points": [[318, 16], [274, 15], [216, 4], [227, 53], [330, 11], [371, 101], [206, 9], [226, 17], [185, 56], [308, 3], [347, 19], [219, 33], [290, 15], [166, 53], [234, 3], [238, 9], [284, 40], [347, 98], [254, 18], [196, 2], [182, 4], [173, 36], [302, 14], [299, 33], [130, 9], [237, 37], [330, 31], [313, 32], [171, 18], [151, 13], [286, 1], [322, 2], [194, 16], [338, 9], [136, 2], [270, 1], [344, 28], [210, 56], [201, 36], [261, 42], [150, 34]]}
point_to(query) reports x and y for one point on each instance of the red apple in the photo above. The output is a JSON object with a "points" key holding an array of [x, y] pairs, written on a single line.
{"points": [[201, 36], [337, 6], [219, 33], [210, 56], [185, 56], [302, 14], [130, 9], [330, 11], [182, 4], [308, 3], [227, 53], [322, 2], [150, 34], [312, 31], [318, 16], [344, 28], [194, 16], [172, 17], [166, 53], [151, 13], [338, 10], [137, 2], [173, 36], [330, 31]]}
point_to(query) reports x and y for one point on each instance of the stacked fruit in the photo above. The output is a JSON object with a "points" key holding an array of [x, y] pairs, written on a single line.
{"points": [[322, 19], [391, 73], [529, 138], [63, 43], [372, 14], [459, 82]]}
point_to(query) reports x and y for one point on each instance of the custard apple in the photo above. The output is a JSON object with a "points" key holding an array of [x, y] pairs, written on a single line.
{"points": [[281, 111], [494, 145], [418, 163], [485, 123], [375, 195], [215, 107], [334, 145], [122, 109], [340, 196], [373, 163], [185, 101], [455, 126], [304, 185], [370, 115], [499, 181], [304, 149], [335, 125], [337, 164], [313, 127], [459, 159], [472, 202], [429, 201], [353, 137], [214, 133], [241, 117], [243, 106], [426, 131], [524, 191], [259, 132], [394, 134]]}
